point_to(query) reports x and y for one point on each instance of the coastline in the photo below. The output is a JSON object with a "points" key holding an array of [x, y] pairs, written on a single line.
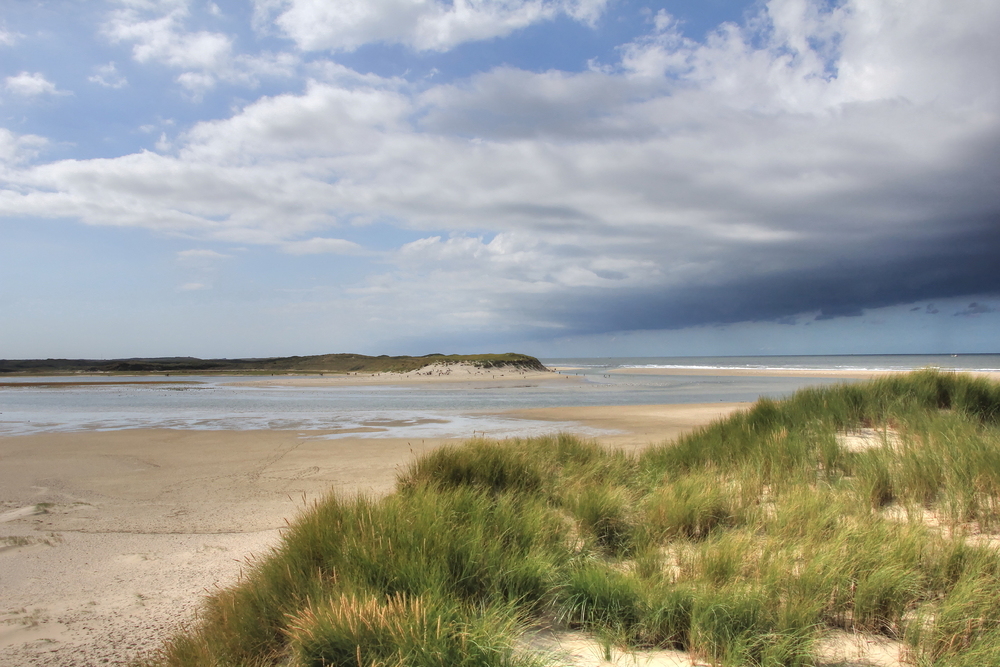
{"points": [[110, 539], [463, 374]]}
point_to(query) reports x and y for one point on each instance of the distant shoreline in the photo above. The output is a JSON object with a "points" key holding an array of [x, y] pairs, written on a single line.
{"points": [[454, 373], [315, 364], [858, 374]]}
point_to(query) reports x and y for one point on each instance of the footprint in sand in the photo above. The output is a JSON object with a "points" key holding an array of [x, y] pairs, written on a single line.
{"points": [[134, 558]]}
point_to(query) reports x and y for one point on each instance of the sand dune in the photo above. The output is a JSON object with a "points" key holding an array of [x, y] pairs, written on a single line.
{"points": [[466, 374]]}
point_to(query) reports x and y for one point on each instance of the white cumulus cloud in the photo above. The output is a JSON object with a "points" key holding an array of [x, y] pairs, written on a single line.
{"points": [[319, 246], [163, 39], [108, 76], [425, 25], [810, 57], [15, 148], [8, 38], [31, 84], [157, 30]]}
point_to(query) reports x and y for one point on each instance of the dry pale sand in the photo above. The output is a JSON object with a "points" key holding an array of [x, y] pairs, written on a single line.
{"points": [[835, 649], [109, 540], [780, 372]]}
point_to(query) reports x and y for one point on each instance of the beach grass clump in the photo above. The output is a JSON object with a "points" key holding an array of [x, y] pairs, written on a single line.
{"points": [[743, 543], [459, 544], [876, 477], [535, 465], [963, 628], [402, 630], [666, 617], [739, 625], [605, 514], [693, 506], [595, 595], [479, 464]]}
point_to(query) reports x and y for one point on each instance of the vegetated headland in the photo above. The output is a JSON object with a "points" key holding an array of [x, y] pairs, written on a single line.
{"points": [[863, 510], [322, 363]]}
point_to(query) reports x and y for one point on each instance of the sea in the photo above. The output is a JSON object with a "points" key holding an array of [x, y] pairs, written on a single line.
{"points": [[89, 403]]}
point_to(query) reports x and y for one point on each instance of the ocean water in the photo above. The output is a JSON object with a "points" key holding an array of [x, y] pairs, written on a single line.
{"points": [[858, 362], [409, 411]]}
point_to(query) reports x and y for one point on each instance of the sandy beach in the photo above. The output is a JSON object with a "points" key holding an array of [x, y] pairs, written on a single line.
{"points": [[112, 538], [109, 540]]}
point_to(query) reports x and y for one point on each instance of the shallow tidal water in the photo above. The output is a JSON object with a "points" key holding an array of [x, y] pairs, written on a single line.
{"points": [[427, 411]]}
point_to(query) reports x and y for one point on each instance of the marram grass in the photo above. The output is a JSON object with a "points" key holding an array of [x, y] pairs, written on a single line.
{"points": [[742, 544]]}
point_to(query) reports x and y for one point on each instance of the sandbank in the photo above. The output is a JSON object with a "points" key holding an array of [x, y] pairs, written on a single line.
{"points": [[459, 374], [110, 540]]}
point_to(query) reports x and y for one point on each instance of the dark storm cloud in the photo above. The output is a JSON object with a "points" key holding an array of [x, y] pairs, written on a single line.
{"points": [[835, 287]]}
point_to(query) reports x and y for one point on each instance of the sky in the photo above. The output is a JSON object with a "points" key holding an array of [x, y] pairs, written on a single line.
{"points": [[556, 177]]}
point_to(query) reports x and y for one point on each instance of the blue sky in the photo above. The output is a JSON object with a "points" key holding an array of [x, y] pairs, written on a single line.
{"points": [[558, 177]]}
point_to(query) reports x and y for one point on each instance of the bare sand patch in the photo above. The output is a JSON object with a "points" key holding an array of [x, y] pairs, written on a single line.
{"points": [[569, 647], [855, 649], [837, 648], [863, 439]]}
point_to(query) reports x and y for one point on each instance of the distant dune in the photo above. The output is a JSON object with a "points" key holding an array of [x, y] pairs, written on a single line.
{"points": [[321, 363]]}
